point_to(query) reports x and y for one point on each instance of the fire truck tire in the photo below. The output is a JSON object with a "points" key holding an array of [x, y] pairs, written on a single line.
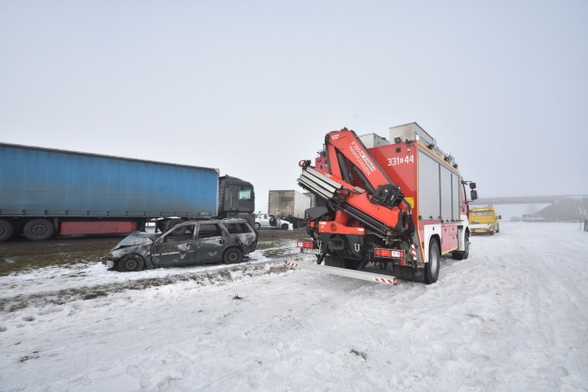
{"points": [[38, 230], [6, 230], [131, 263], [465, 254], [434, 264]]}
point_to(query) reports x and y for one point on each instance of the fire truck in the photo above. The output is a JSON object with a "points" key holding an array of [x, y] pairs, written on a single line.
{"points": [[385, 208]]}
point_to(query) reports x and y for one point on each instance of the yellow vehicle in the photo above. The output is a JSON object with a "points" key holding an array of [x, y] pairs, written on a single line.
{"points": [[484, 220]]}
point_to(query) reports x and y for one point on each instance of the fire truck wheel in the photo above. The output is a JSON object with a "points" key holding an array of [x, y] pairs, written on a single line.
{"points": [[131, 263], [432, 267], [465, 254], [232, 255]]}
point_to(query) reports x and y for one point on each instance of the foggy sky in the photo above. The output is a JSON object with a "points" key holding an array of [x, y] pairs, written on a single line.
{"points": [[252, 87]]}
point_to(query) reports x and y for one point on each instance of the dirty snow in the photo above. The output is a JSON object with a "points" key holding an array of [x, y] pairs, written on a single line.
{"points": [[512, 317]]}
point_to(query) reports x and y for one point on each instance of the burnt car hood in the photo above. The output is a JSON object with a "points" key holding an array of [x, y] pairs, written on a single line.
{"points": [[137, 239]]}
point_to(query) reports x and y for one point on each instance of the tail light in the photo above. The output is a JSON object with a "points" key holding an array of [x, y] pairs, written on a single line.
{"points": [[389, 253], [305, 244]]}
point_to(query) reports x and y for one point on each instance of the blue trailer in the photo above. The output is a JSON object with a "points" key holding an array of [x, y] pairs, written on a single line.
{"points": [[44, 192]]}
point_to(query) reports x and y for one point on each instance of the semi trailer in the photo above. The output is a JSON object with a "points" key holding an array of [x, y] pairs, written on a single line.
{"points": [[49, 192], [290, 205]]}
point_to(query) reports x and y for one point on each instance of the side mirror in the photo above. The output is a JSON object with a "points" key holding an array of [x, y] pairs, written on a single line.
{"points": [[473, 194], [472, 185]]}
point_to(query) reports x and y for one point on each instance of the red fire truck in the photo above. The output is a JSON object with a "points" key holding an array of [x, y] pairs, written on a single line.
{"points": [[386, 208]]}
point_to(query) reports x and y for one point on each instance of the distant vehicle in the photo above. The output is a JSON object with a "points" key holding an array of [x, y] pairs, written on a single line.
{"points": [[271, 221], [188, 243], [483, 220], [290, 205], [532, 218]]}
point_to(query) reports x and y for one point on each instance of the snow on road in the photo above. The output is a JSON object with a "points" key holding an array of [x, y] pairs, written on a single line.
{"points": [[512, 317]]}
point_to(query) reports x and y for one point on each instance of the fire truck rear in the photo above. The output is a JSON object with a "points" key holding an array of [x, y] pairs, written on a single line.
{"points": [[385, 208]]}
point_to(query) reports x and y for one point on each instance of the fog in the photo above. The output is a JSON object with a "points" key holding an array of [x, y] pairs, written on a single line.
{"points": [[251, 88]]}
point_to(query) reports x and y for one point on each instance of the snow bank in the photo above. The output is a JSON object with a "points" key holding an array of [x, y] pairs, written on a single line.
{"points": [[511, 317]]}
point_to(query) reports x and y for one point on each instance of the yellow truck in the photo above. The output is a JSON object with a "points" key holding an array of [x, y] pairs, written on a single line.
{"points": [[484, 220]]}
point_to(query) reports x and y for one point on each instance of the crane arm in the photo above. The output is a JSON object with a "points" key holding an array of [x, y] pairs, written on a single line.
{"points": [[353, 182]]}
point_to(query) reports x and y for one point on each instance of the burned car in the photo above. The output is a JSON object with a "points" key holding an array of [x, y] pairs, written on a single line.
{"points": [[188, 243]]}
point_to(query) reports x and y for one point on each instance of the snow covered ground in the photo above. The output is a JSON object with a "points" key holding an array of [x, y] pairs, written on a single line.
{"points": [[513, 317]]}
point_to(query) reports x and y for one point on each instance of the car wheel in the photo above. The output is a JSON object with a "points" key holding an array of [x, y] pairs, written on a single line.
{"points": [[131, 263], [232, 255], [432, 267], [39, 230]]}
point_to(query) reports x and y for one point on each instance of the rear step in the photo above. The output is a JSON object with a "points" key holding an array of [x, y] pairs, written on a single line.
{"points": [[369, 276]]}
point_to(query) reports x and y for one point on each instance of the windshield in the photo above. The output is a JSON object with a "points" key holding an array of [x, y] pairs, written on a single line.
{"points": [[482, 213]]}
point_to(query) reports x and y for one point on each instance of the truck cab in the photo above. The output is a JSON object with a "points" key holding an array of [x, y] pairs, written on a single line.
{"points": [[484, 220]]}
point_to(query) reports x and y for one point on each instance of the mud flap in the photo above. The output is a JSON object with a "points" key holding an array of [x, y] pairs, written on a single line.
{"points": [[410, 273]]}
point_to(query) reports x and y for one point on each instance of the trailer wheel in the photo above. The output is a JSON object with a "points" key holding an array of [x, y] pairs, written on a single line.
{"points": [[131, 263], [432, 267], [6, 230], [232, 255], [38, 230]]}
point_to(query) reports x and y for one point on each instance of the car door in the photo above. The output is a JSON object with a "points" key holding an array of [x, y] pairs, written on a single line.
{"points": [[175, 247], [210, 242], [273, 220]]}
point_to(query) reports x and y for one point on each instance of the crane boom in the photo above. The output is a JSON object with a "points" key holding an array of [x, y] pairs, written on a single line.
{"points": [[356, 186]]}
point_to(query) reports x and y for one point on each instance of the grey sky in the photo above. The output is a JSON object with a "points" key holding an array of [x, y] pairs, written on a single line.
{"points": [[252, 87]]}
